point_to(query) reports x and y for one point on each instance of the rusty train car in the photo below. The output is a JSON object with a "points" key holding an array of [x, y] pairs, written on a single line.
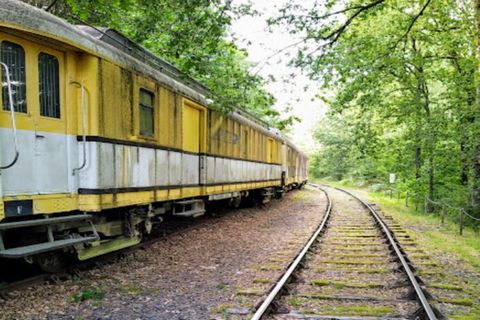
{"points": [[99, 138]]}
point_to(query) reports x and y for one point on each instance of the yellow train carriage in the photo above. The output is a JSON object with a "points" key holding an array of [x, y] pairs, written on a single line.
{"points": [[99, 138]]}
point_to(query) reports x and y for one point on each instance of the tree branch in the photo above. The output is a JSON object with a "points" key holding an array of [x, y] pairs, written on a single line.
{"points": [[410, 26], [339, 31]]}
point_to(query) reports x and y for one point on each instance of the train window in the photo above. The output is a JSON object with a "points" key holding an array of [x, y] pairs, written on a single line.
{"points": [[146, 113], [13, 56], [49, 85]]}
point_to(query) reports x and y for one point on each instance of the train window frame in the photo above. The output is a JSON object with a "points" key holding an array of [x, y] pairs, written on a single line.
{"points": [[141, 106], [57, 112], [5, 99]]}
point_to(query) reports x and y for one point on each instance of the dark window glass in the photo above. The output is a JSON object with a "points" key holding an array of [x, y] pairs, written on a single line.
{"points": [[49, 88], [13, 56], [146, 113]]}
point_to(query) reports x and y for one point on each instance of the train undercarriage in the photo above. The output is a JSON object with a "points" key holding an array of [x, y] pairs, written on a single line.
{"points": [[49, 242]]}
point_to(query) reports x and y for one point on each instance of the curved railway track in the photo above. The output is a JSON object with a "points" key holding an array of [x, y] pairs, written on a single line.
{"points": [[351, 243]]}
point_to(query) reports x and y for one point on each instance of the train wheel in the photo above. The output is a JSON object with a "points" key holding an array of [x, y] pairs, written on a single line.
{"points": [[50, 262], [235, 202]]}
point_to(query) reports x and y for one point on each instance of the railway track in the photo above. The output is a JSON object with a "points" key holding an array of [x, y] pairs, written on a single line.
{"points": [[352, 267]]}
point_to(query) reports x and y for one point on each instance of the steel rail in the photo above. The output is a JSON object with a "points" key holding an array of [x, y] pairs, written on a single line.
{"points": [[411, 276], [263, 308]]}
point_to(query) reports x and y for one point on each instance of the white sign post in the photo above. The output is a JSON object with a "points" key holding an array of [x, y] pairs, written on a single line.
{"points": [[392, 181], [392, 178]]}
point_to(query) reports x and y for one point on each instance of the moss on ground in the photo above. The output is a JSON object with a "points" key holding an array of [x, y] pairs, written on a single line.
{"points": [[360, 255], [446, 286], [353, 262], [262, 280], [474, 314], [352, 269], [269, 267], [344, 284], [458, 301], [355, 310], [249, 292]]}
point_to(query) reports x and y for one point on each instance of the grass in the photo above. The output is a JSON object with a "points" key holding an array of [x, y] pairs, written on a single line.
{"points": [[294, 301], [221, 285], [433, 235], [222, 308], [88, 294]]}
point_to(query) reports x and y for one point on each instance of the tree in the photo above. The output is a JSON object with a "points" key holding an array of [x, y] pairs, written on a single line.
{"points": [[190, 34], [406, 68]]}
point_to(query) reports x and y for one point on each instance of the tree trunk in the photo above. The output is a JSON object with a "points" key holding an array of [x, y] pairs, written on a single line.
{"points": [[464, 157], [475, 184], [418, 158]]}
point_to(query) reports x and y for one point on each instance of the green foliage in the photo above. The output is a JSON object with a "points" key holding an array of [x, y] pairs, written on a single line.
{"points": [[403, 79], [192, 35]]}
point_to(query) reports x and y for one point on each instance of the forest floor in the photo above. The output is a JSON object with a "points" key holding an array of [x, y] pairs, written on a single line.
{"points": [[196, 273]]}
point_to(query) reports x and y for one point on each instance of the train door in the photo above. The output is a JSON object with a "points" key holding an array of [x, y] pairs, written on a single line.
{"points": [[270, 151], [193, 166], [37, 95], [50, 131]]}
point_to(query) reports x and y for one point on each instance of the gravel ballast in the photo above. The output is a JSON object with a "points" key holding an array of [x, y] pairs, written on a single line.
{"points": [[193, 274]]}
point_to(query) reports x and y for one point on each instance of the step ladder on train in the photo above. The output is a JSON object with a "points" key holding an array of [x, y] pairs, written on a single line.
{"points": [[52, 243], [189, 208]]}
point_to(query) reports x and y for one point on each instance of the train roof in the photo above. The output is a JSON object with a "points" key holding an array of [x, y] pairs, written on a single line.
{"points": [[110, 44]]}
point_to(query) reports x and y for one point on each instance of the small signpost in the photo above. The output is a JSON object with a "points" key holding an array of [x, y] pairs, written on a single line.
{"points": [[392, 178], [392, 182]]}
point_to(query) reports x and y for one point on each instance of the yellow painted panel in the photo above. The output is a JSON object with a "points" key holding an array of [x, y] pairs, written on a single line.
{"points": [[164, 127], [191, 192], [270, 152], [2, 210], [175, 194], [48, 203], [64, 204], [191, 129]]}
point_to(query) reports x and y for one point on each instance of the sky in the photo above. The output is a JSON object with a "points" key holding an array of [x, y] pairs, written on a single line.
{"points": [[263, 44]]}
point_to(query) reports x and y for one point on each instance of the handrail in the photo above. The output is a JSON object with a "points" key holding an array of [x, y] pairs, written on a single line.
{"points": [[12, 115], [84, 134]]}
